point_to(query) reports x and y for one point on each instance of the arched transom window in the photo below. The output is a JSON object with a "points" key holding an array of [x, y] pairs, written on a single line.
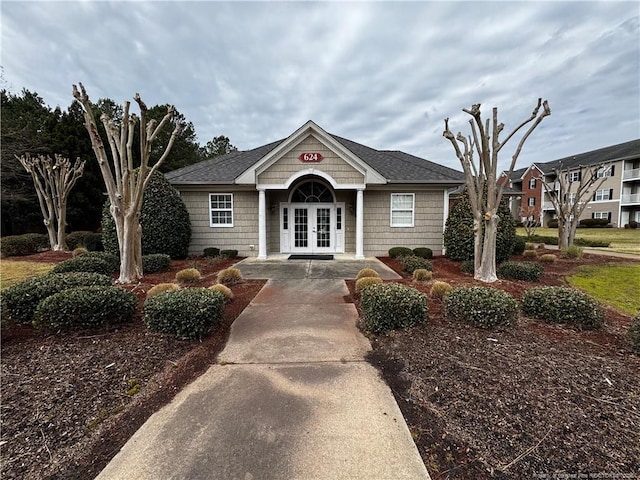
{"points": [[312, 192]]}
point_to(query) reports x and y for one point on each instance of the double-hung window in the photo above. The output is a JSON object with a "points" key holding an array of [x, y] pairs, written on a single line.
{"points": [[532, 183], [604, 194], [402, 209], [575, 176], [221, 209]]}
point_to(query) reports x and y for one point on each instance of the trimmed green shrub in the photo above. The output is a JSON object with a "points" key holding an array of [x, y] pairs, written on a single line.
{"points": [[552, 223], [113, 261], [85, 307], [584, 242], [224, 290], [188, 275], [20, 245], [530, 254], [633, 334], [364, 282], [468, 266], [423, 252], [573, 252], [229, 276], [410, 263], [156, 262], [186, 313], [367, 272], [211, 252], [563, 305], [440, 289], [422, 275], [518, 245], [633, 224], [481, 306], [161, 288], [396, 252], [93, 242], [77, 239], [458, 233], [166, 227], [593, 223], [388, 306], [19, 301], [527, 271], [547, 258], [229, 253], [543, 239], [83, 263]]}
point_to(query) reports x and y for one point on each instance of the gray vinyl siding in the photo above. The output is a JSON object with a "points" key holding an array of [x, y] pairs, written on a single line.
{"points": [[379, 236], [239, 237]]}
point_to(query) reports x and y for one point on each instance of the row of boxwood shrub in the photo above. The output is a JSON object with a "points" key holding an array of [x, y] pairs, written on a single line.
{"points": [[411, 263], [20, 301], [27, 244], [528, 271], [96, 262], [216, 252], [90, 240], [481, 306], [563, 305], [423, 252]]}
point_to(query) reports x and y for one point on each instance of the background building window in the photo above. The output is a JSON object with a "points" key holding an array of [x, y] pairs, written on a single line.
{"points": [[574, 176], [606, 215], [606, 171], [221, 208], [604, 194], [402, 207], [532, 183], [532, 201]]}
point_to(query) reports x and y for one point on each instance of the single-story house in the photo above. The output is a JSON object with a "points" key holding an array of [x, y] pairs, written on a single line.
{"points": [[315, 193]]}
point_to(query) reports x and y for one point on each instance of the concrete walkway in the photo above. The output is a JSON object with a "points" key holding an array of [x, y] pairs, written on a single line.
{"points": [[291, 397]]}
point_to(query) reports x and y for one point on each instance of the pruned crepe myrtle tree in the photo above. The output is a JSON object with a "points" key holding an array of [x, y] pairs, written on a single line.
{"points": [[125, 188], [53, 180], [570, 197], [482, 177]]}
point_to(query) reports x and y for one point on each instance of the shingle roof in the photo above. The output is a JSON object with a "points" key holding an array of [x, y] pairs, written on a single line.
{"points": [[395, 166], [601, 155]]}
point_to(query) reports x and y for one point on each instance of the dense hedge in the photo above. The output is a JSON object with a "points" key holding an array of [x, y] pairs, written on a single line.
{"points": [[423, 252], [112, 260], [211, 252], [185, 313], [388, 306], [519, 244], [19, 301], [81, 238], [458, 232], [166, 227], [563, 305], [156, 262], [528, 271], [593, 223], [83, 263], [85, 307], [395, 252], [27, 244], [410, 263], [229, 253], [481, 306]]}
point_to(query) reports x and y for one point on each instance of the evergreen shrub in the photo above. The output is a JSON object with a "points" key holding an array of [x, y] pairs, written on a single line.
{"points": [[563, 305], [211, 252], [634, 334], [481, 306], [156, 262], [388, 306], [83, 263], [85, 307], [423, 252], [186, 313], [229, 253], [410, 263], [395, 252], [527, 271], [19, 301]]}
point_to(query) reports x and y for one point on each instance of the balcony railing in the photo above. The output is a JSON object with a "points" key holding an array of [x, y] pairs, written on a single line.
{"points": [[631, 198], [631, 174], [547, 206]]}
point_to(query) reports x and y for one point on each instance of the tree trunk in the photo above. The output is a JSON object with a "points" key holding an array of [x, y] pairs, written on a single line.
{"points": [[51, 231], [61, 241], [563, 234], [477, 243], [130, 243], [571, 235], [487, 271]]}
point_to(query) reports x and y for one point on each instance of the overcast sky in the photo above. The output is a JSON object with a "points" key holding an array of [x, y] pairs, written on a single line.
{"points": [[384, 74]]}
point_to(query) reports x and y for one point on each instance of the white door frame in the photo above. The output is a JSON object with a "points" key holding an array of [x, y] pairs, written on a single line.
{"points": [[288, 224]]}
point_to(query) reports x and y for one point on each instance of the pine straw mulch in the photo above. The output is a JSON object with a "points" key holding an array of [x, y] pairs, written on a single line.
{"points": [[530, 401], [69, 402]]}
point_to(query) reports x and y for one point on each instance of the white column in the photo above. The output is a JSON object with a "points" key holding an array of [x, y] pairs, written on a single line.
{"points": [[360, 224], [262, 225], [445, 215]]}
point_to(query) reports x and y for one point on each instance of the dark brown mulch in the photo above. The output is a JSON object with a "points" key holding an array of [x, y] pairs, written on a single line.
{"points": [[70, 402], [516, 402]]}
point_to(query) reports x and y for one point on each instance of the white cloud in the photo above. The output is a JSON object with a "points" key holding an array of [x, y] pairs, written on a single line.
{"points": [[383, 74]]}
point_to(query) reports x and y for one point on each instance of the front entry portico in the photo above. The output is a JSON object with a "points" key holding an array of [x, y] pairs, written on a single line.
{"points": [[312, 228]]}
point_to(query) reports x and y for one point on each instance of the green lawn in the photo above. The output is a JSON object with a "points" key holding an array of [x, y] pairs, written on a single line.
{"points": [[13, 272], [615, 285], [623, 241]]}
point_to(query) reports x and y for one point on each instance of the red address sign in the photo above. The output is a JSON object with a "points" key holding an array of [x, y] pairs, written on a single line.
{"points": [[310, 157]]}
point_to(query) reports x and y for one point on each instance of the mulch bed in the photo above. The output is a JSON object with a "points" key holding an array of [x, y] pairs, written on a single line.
{"points": [[520, 402], [70, 402]]}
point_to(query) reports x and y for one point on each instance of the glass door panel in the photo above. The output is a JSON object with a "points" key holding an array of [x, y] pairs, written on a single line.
{"points": [[301, 228], [323, 227]]}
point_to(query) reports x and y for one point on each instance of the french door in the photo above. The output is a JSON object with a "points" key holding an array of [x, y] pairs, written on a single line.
{"points": [[312, 228]]}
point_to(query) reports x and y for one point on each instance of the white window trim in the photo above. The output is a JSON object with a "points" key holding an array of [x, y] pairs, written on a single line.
{"points": [[530, 203], [601, 215], [211, 210], [574, 176], [608, 199], [532, 181], [413, 210], [604, 172]]}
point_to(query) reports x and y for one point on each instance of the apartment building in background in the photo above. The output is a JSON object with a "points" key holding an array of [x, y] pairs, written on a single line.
{"points": [[616, 199]]}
